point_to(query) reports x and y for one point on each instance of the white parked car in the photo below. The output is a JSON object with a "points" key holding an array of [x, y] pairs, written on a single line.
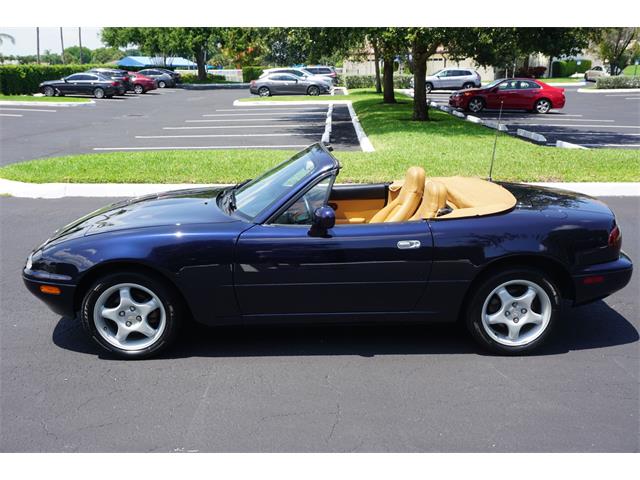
{"points": [[596, 72], [452, 79], [300, 73]]}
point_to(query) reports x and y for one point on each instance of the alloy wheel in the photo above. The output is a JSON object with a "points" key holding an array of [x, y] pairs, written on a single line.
{"points": [[49, 91], [476, 105], [129, 316], [516, 313], [543, 106]]}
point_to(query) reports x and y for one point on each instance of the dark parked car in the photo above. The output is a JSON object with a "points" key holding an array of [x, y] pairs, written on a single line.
{"points": [[81, 83], [511, 93], [287, 84], [292, 246], [175, 75], [163, 79], [120, 76]]}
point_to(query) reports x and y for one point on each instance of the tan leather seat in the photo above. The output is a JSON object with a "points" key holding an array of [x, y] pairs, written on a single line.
{"points": [[406, 203], [433, 199]]}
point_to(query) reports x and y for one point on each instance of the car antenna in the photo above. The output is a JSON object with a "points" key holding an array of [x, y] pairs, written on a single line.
{"points": [[495, 141]]}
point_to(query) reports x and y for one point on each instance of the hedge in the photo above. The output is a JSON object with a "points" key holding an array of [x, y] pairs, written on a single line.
{"points": [[251, 73], [191, 78], [369, 81], [621, 81], [20, 79], [566, 68]]}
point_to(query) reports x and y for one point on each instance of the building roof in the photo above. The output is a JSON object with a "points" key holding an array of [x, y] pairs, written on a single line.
{"points": [[135, 61]]}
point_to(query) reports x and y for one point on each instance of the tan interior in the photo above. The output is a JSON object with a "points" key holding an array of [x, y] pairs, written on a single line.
{"points": [[467, 196], [356, 211], [405, 204]]}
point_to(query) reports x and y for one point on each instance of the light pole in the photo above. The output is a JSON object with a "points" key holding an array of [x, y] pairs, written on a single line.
{"points": [[38, 44], [80, 41], [62, 44]]}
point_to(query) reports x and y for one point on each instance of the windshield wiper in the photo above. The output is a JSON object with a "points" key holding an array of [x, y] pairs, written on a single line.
{"points": [[230, 197]]}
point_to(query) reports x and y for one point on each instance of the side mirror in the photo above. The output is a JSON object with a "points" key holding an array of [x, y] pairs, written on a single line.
{"points": [[494, 89], [324, 218]]}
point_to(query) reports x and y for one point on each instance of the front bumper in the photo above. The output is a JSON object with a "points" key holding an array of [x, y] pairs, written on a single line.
{"points": [[62, 304], [601, 280], [457, 102]]}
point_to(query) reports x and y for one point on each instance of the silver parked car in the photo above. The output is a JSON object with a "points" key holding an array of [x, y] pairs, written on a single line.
{"points": [[298, 72], [452, 79], [287, 84]]}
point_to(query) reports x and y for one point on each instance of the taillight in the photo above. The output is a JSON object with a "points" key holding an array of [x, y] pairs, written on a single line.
{"points": [[115, 84], [125, 79], [252, 83], [615, 238]]}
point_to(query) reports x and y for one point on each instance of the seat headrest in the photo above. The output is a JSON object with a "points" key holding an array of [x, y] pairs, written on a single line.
{"points": [[413, 182]]}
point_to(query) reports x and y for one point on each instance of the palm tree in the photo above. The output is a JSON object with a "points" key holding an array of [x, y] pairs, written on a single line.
{"points": [[6, 36]]}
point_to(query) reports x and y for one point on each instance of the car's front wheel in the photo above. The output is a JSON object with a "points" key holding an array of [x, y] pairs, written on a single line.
{"points": [[513, 311], [264, 92], [49, 91], [162, 84], [131, 315], [313, 91], [476, 105]]}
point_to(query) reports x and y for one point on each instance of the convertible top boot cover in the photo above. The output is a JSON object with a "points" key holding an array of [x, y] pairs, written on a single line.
{"points": [[407, 201]]}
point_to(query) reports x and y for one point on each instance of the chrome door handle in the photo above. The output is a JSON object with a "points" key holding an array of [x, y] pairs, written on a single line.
{"points": [[408, 244]]}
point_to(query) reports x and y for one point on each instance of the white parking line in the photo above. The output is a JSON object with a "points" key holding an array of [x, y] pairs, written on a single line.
{"points": [[611, 145], [227, 135], [588, 133], [27, 110], [209, 147], [567, 119], [521, 114], [238, 120], [322, 114], [10, 115], [622, 95], [632, 98], [581, 126], [306, 125], [278, 109]]}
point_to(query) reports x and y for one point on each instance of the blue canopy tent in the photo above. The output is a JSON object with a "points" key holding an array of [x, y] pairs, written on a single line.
{"points": [[172, 62]]}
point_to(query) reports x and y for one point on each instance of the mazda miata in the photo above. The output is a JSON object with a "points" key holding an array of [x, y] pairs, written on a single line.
{"points": [[294, 246]]}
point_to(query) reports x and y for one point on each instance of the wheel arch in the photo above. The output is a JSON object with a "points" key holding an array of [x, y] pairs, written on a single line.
{"points": [[91, 275], [548, 99], [554, 268]]}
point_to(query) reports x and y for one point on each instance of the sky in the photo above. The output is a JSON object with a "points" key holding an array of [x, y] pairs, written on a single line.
{"points": [[49, 39]]}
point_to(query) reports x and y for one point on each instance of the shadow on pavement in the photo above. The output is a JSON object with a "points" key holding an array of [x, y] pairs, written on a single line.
{"points": [[592, 326]]}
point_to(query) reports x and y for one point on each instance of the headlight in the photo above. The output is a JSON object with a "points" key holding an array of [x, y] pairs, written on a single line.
{"points": [[29, 261]]}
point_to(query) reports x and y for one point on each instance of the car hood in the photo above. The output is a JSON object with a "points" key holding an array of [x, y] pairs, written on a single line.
{"points": [[169, 208]]}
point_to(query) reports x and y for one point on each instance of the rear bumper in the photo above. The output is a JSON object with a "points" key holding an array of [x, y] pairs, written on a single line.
{"points": [[601, 280], [62, 304]]}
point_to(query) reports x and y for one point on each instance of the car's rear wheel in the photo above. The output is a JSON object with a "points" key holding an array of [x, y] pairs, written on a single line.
{"points": [[428, 86], [468, 85], [513, 311], [264, 92], [475, 105], [49, 91], [542, 106], [139, 89], [313, 90], [131, 315], [162, 84], [98, 93]]}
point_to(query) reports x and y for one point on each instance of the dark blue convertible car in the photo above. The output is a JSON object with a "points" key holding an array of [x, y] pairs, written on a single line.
{"points": [[294, 246]]}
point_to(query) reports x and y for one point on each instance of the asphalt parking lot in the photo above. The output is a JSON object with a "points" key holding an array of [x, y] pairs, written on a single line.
{"points": [[373, 389], [591, 120], [166, 119]]}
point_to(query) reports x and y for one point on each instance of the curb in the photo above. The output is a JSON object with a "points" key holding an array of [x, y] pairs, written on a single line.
{"points": [[536, 137], [609, 90], [561, 144], [8, 103], [96, 190], [326, 136]]}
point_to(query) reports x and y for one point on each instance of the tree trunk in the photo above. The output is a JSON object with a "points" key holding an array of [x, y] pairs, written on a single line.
{"points": [[387, 79], [201, 61], [376, 59], [420, 109]]}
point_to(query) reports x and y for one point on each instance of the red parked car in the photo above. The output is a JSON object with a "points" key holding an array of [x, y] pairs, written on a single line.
{"points": [[142, 83], [513, 93]]}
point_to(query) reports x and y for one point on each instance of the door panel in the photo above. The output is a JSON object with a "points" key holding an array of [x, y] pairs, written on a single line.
{"points": [[280, 269]]}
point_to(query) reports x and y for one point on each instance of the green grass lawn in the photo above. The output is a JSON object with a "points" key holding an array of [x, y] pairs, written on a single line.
{"points": [[31, 98], [444, 146], [562, 80], [632, 70]]}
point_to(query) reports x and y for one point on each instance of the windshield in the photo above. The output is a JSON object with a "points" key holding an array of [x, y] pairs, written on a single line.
{"points": [[493, 84], [261, 193]]}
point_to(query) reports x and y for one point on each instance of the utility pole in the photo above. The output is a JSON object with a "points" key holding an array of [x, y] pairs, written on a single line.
{"points": [[62, 45], [80, 41], [38, 44]]}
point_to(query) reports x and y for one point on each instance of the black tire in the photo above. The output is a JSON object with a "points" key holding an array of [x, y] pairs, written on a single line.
{"points": [[139, 89], [264, 92], [468, 85], [313, 90], [474, 312], [542, 106], [476, 105], [167, 295], [98, 93], [162, 84], [428, 87], [49, 91]]}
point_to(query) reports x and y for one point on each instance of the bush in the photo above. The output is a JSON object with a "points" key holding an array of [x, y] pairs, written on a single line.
{"points": [[584, 66], [251, 73], [369, 81], [20, 79], [621, 81], [566, 68], [191, 78]]}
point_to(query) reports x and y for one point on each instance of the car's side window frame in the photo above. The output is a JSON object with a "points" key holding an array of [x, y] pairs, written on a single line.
{"points": [[274, 217]]}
